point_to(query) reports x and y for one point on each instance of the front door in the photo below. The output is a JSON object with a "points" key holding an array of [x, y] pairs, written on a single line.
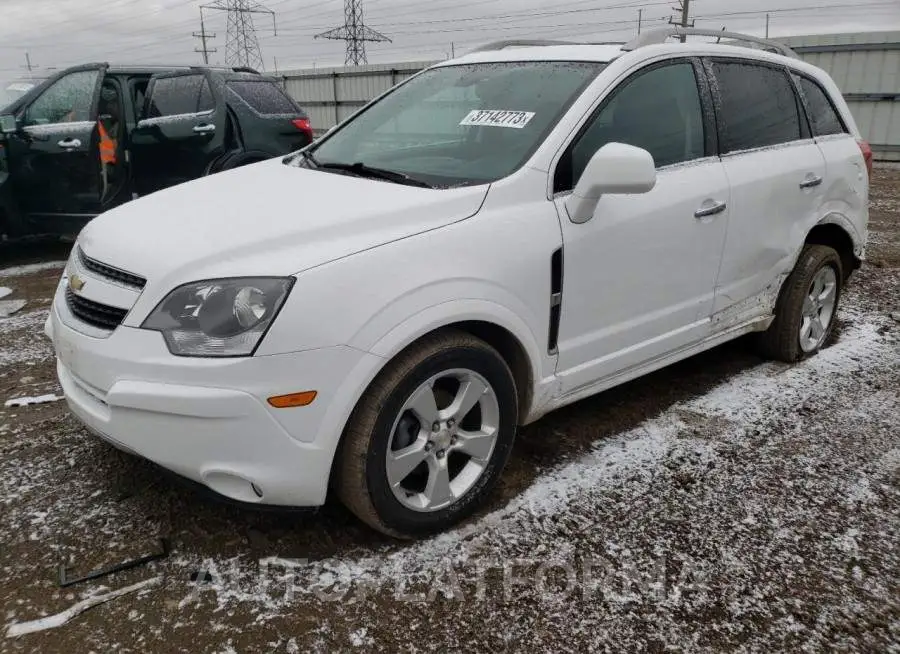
{"points": [[54, 156], [182, 131], [640, 275]]}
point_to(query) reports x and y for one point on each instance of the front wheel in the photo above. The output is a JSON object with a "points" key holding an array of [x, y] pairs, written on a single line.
{"points": [[430, 438], [806, 312]]}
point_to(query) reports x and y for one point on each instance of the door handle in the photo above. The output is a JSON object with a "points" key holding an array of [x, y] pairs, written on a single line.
{"points": [[811, 181], [710, 208], [69, 143], [204, 129]]}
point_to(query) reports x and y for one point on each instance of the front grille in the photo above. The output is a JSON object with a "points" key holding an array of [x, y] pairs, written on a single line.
{"points": [[110, 273], [93, 313]]}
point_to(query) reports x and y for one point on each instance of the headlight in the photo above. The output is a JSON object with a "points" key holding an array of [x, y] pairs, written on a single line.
{"points": [[220, 317]]}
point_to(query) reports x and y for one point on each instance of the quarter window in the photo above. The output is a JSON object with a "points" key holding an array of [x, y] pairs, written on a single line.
{"points": [[759, 107], [67, 100], [822, 114], [185, 94], [659, 111]]}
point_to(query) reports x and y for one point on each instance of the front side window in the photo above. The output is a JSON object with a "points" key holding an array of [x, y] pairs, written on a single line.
{"points": [[175, 96], [822, 114], [461, 125], [658, 110], [67, 100], [758, 107]]}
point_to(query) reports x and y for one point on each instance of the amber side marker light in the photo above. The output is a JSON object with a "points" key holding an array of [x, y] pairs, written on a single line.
{"points": [[293, 400]]}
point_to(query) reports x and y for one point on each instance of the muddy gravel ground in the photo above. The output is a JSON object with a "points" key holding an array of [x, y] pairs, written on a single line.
{"points": [[722, 504]]}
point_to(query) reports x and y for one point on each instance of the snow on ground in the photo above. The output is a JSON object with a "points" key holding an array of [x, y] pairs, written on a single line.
{"points": [[4, 292], [760, 396], [31, 268], [23, 339], [28, 401]]}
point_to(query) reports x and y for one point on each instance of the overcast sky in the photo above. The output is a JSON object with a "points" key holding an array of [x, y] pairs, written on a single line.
{"points": [[60, 33]]}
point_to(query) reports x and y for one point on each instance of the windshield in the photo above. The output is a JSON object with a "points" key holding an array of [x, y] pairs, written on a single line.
{"points": [[459, 125], [12, 91]]}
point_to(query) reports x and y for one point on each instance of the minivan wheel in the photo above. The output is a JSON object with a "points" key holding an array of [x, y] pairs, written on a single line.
{"points": [[430, 437], [806, 312]]}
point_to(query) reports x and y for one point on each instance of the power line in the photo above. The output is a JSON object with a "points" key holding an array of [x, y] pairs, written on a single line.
{"points": [[355, 33]]}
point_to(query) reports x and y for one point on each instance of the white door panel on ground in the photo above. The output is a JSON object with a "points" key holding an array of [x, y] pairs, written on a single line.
{"points": [[640, 276], [769, 208]]}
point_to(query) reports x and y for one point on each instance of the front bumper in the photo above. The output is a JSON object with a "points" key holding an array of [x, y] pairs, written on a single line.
{"points": [[207, 419]]}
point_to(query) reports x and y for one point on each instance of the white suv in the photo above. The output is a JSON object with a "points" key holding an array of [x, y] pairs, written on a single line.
{"points": [[497, 237]]}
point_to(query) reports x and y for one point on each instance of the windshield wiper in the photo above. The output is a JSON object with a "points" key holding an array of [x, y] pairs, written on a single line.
{"points": [[308, 156], [362, 170]]}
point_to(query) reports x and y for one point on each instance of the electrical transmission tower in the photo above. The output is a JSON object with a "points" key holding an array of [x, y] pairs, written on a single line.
{"points": [[241, 44], [355, 33]]}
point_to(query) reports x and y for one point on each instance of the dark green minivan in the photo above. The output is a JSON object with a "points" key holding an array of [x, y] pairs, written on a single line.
{"points": [[167, 125]]}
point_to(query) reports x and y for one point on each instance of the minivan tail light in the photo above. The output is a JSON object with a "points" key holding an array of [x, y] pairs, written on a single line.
{"points": [[867, 155], [304, 126]]}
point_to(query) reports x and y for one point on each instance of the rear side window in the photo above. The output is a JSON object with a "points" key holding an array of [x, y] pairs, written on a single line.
{"points": [[758, 107], [822, 114], [264, 97], [185, 94]]}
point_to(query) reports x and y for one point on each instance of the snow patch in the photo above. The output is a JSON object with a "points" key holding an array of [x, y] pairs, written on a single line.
{"points": [[27, 401], [31, 268], [4, 291], [10, 307], [52, 621]]}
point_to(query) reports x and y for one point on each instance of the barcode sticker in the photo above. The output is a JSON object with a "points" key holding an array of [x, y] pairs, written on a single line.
{"points": [[498, 118]]}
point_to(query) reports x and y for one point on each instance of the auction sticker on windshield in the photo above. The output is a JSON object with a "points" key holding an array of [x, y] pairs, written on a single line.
{"points": [[498, 118]]}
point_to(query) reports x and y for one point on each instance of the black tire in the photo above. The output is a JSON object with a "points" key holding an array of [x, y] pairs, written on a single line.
{"points": [[782, 340], [361, 478]]}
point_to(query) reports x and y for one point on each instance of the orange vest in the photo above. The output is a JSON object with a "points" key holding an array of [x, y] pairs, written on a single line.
{"points": [[107, 146]]}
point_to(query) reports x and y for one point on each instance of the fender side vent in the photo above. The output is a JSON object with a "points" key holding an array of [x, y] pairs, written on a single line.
{"points": [[556, 286]]}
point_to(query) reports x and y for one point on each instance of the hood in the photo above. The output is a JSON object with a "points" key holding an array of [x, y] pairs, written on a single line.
{"points": [[265, 219]]}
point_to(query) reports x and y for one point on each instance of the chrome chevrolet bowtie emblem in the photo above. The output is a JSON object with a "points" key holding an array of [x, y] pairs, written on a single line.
{"points": [[76, 283]]}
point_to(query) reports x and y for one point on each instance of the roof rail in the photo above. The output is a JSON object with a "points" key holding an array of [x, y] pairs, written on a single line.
{"points": [[514, 43], [655, 37]]}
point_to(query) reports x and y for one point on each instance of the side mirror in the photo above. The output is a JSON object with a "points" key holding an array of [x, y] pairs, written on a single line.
{"points": [[615, 168], [8, 124]]}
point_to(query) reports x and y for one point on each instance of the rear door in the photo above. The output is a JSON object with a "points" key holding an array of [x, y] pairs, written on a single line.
{"points": [[776, 173], [182, 130], [54, 158]]}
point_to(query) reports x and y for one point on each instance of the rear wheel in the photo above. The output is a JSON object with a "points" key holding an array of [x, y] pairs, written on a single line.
{"points": [[430, 438], [806, 312]]}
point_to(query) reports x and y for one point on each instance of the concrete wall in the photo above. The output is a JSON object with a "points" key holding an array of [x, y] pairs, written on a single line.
{"points": [[866, 66]]}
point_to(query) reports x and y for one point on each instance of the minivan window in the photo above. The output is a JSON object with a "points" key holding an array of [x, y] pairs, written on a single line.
{"points": [[659, 111], [822, 114], [172, 96], [67, 100], [759, 106], [264, 97], [461, 125]]}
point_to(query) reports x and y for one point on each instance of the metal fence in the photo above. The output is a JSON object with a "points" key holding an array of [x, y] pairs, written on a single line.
{"points": [[866, 66]]}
